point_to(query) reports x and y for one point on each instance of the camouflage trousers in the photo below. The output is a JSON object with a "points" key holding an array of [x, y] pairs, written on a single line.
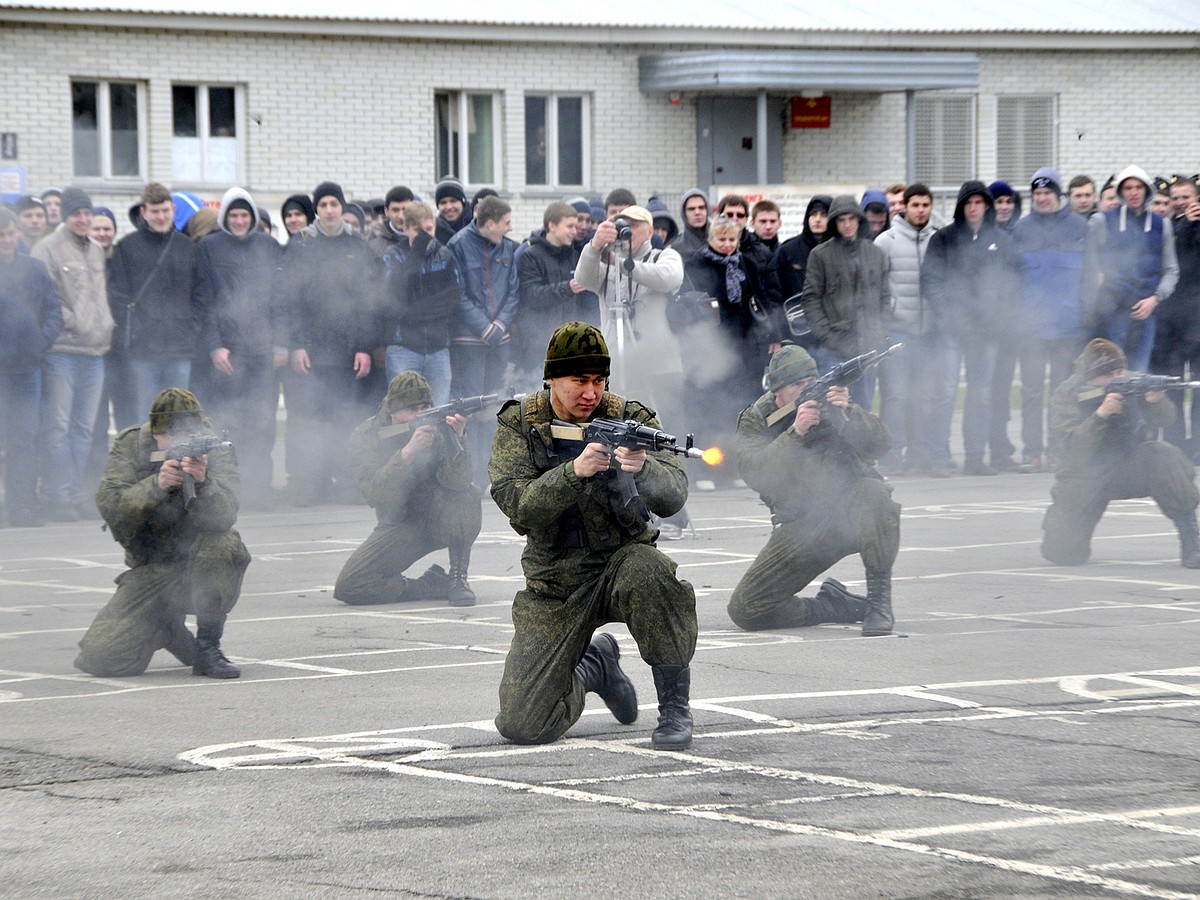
{"points": [[152, 600], [540, 697], [863, 520], [1158, 470], [374, 573]]}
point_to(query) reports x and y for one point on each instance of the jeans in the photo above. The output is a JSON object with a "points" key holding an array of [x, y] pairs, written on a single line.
{"points": [[479, 369], [908, 383], [979, 359], [1134, 337], [435, 366], [243, 405], [20, 395], [71, 388], [1036, 355], [147, 377], [945, 360], [862, 391]]}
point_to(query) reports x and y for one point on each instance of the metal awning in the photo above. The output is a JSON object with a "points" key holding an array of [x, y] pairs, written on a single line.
{"points": [[791, 71]]}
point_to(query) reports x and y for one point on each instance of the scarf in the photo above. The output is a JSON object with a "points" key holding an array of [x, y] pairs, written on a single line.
{"points": [[734, 273]]}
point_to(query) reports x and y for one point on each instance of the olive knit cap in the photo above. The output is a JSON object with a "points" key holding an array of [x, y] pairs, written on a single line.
{"points": [[789, 365], [172, 409], [577, 348], [408, 389], [1101, 357]]}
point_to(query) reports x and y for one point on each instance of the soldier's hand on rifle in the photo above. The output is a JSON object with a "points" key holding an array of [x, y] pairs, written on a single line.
{"points": [[1154, 396], [457, 423], [631, 460], [593, 460], [197, 467], [808, 414], [422, 440], [170, 475], [1112, 405], [838, 395]]}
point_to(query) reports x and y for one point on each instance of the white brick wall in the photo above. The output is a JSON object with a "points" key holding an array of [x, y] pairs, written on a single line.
{"points": [[361, 111]]}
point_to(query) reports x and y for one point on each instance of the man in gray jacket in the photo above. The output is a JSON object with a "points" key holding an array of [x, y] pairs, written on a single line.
{"points": [[846, 295], [906, 378]]}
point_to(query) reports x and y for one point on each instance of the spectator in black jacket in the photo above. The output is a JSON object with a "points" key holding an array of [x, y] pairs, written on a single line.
{"points": [[421, 294], [785, 272], [325, 316], [238, 263], [454, 214], [154, 292]]}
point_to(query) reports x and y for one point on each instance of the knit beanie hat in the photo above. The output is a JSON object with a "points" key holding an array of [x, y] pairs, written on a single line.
{"points": [[789, 365], [173, 410], [1047, 177], [356, 210], [579, 204], [408, 389], [577, 348], [1100, 357], [240, 203], [106, 212], [300, 202], [50, 192], [1001, 189], [484, 192], [328, 189], [449, 188], [73, 200]]}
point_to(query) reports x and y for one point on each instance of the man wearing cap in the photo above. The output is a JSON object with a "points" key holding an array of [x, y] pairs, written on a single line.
{"points": [[589, 558], [418, 479], [1108, 453], [183, 557], [451, 201], [1050, 244], [31, 219], [73, 370], [1137, 270], [813, 466], [325, 316]]}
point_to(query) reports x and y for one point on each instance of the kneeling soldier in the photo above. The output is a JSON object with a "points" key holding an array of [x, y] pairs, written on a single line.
{"points": [[815, 471], [419, 482], [589, 558], [182, 552]]}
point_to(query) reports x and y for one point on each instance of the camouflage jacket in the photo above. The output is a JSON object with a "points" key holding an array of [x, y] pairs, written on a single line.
{"points": [[150, 523], [572, 524], [1090, 446], [794, 473], [400, 490]]}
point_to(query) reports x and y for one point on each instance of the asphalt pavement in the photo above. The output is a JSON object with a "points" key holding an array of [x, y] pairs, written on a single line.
{"points": [[1028, 731]]}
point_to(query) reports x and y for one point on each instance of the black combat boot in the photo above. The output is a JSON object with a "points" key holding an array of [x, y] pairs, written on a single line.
{"points": [[1189, 540], [210, 661], [836, 604], [600, 672], [181, 644], [434, 584], [460, 592], [674, 731], [878, 619]]}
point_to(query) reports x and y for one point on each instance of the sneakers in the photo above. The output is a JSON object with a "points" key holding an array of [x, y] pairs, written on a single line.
{"points": [[1031, 466]]}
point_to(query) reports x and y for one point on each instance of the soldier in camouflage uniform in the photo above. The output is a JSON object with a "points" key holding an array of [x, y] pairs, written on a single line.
{"points": [[589, 559], [815, 471], [181, 560], [1107, 454], [419, 482]]}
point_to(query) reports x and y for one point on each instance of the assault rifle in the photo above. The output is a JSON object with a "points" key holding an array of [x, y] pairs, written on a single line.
{"points": [[1136, 385], [463, 406], [842, 374], [193, 447], [613, 433]]}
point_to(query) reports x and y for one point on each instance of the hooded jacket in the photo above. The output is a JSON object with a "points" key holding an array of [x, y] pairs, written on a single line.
{"points": [[547, 301], [79, 270], [845, 293], [905, 247], [970, 277], [691, 240], [237, 278], [490, 289]]}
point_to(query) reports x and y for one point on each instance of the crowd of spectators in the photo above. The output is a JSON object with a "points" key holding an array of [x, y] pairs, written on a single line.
{"points": [[326, 307]]}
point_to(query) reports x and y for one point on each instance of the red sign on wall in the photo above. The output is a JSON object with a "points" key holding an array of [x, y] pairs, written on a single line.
{"points": [[811, 112]]}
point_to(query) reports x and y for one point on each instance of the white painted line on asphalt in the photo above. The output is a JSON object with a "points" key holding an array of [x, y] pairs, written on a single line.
{"points": [[1146, 864], [1123, 817]]}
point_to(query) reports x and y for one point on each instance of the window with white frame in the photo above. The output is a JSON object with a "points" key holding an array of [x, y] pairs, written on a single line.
{"points": [[556, 140], [108, 129], [205, 132], [944, 138], [467, 136], [1025, 132]]}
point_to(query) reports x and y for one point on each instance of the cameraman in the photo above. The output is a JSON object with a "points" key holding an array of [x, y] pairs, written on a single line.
{"points": [[633, 281]]}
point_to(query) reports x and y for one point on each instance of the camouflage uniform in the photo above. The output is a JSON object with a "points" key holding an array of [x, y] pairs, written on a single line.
{"points": [[588, 560], [180, 561], [827, 502], [1110, 459], [421, 505]]}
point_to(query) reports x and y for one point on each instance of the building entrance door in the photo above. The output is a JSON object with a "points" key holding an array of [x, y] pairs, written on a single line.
{"points": [[727, 141]]}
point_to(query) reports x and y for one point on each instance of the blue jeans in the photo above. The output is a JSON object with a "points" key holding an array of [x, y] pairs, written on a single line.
{"points": [[908, 383], [147, 377], [862, 391], [435, 366], [1135, 338], [945, 361], [979, 359], [20, 395], [71, 388], [479, 369]]}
